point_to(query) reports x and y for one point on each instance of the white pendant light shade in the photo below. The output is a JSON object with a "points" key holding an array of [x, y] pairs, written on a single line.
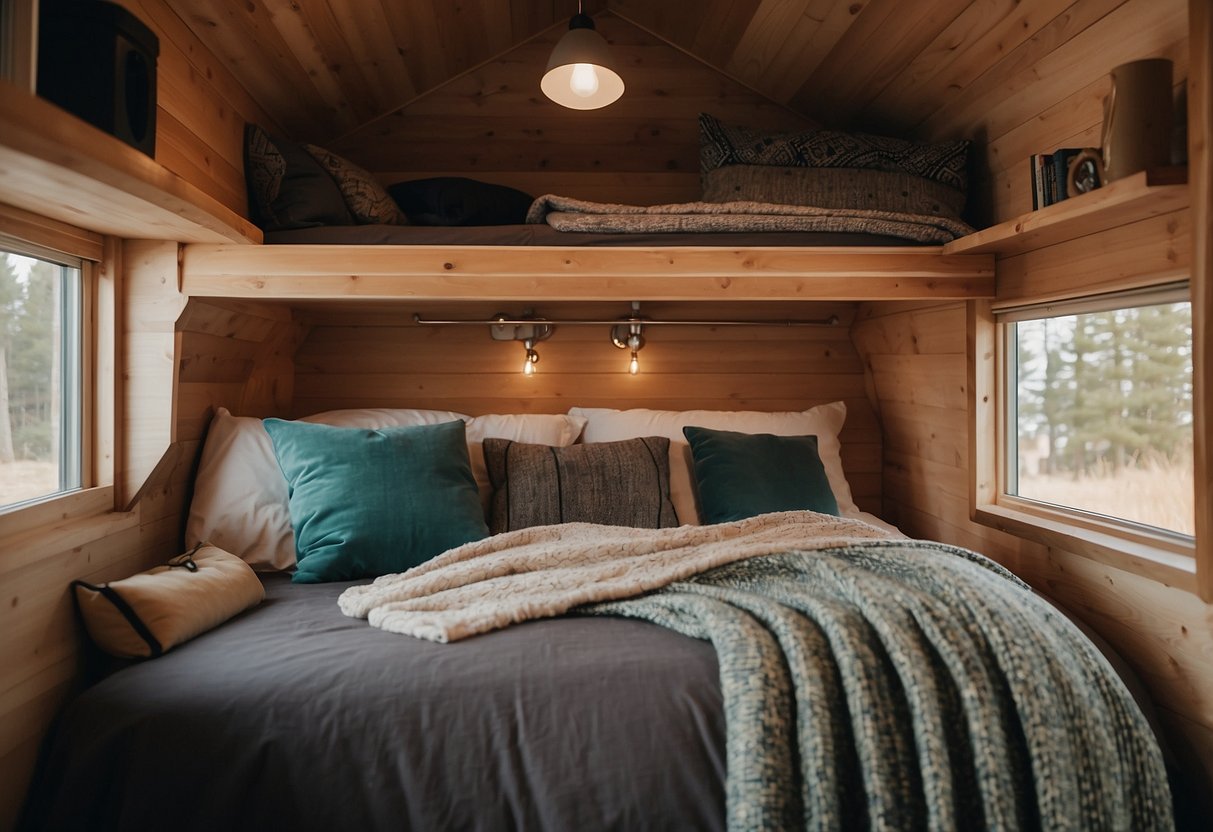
{"points": [[579, 75]]}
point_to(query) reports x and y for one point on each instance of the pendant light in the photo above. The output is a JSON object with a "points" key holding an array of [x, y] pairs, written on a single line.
{"points": [[579, 75]]}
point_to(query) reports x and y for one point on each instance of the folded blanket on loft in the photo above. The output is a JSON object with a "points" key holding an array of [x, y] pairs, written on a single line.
{"points": [[867, 681], [567, 214]]}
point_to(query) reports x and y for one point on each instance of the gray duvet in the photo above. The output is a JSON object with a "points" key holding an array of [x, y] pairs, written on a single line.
{"points": [[295, 717]]}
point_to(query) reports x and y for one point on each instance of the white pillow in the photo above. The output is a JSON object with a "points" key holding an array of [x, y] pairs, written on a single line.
{"points": [[824, 422], [240, 496]]}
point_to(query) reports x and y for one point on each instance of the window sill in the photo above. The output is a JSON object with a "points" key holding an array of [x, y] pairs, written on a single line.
{"points": [[60, 522], [1159, 557]]}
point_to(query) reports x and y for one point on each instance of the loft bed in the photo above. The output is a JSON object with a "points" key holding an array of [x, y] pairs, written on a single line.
{"points": [[62, 168], [335, 232]]}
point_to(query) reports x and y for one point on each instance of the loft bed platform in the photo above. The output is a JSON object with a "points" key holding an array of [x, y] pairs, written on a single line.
{"points": [[528, 273], [61, 167]]}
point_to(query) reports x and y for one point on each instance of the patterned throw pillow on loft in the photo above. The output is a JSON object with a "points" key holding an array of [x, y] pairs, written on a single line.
{"points": [[722, 144], [368, 201]]}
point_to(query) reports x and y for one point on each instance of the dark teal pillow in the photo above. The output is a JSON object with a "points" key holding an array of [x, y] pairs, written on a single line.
{"points": [[368, 502], [741, 475]]}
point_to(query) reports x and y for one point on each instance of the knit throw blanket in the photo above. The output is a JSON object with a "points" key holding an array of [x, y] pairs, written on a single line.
{"points": [[878, 683], [567, 214]]}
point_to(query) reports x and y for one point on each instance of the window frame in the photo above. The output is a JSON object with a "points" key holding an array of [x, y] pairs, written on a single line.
{"points": [[1161, 555], [33, 235]]}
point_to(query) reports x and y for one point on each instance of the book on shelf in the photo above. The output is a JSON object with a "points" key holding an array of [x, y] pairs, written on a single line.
{"points": [[1049, 173], [1037, 168], [1061, 165]]}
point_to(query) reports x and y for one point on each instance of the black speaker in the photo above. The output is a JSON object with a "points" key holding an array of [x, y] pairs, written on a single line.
{"points": [[98, 61]]}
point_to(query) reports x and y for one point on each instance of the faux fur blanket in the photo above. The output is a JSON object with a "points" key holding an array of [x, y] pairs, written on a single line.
{"points": [[567, 214], [547, 570], [867, 681]]}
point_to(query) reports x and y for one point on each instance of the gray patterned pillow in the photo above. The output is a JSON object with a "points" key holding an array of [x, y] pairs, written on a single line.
{"points": [[368, 201], [721, 144], [875, 190], [612, 483], [287, 188]]}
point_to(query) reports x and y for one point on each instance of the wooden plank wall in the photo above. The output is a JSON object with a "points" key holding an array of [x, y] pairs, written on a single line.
{"points": [[1039, 94], [916, 356], [494, 124], [378, 358], [1036, 87], [201, 108], [216, 352]]}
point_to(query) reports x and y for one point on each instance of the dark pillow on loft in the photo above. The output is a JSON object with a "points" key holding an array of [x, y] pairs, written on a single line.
{"points": [[455, 200], [287, 187], [722, 144]]}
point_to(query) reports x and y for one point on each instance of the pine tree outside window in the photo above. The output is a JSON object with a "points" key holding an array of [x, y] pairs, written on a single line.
{"points": [[1098, 408], [40, 376]]}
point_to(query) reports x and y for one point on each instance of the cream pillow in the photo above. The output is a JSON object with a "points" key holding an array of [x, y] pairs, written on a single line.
{"points": [[240, 496], [825, 422]]}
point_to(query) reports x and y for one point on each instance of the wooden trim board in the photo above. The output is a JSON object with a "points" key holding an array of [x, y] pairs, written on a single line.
{"points": [[572, 273]]}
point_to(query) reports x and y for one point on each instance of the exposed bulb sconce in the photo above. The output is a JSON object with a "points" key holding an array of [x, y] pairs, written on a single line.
{"points": [[528, 330], [627, 333], [579, 75], [630, 336], [532, 358]]}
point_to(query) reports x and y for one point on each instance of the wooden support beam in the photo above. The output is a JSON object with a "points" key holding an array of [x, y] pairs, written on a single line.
{"points": [[571, 273]]}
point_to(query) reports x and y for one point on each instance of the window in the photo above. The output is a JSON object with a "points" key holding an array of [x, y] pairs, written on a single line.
{"points": [[1081, 420], [41, 384], [1099, 407]]}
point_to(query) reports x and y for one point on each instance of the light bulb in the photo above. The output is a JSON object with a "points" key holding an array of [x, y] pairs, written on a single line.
{"points": [[634, 365], [584, 80], [528, 367]]}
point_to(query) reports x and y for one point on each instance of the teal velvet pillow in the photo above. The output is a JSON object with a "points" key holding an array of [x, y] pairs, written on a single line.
{"points": [[365, 502], [741, 475]]}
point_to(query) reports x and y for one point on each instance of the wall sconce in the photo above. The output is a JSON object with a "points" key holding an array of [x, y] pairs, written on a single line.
{"points": [[630, 336], [529, 330], [579, 74], [627, 333]]}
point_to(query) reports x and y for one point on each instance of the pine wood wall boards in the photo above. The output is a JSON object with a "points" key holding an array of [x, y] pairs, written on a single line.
{"points": [[1047, 91], [179, 361], [376, 357], [493, 123], [1166, 634], [201, 108], [1040, 93]]}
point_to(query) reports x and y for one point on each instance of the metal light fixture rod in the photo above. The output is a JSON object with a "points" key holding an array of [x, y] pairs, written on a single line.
{"points": [[831, 320]]}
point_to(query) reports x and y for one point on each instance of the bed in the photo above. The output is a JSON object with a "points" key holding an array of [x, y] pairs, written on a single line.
{"points": [[584, 713]]}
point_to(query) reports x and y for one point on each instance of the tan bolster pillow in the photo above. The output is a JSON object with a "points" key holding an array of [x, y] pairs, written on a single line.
{"points": [[150, 613]]}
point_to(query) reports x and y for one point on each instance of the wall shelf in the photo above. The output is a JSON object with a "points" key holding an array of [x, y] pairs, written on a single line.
{"points": [[1137, 197], [58, 166]]}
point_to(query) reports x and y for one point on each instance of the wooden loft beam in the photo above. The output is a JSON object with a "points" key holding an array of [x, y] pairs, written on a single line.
{"points": [[579, 273], [55, 165]]}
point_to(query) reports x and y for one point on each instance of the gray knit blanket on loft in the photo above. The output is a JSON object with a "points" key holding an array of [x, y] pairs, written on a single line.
{"points": [[911, 685], [567, 214]]}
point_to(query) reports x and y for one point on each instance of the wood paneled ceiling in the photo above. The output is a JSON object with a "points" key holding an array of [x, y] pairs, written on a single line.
{"points": [[322, 68]]}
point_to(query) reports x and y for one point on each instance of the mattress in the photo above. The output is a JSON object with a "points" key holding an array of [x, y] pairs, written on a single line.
{"points": [[544, 235], [293, 716]]}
